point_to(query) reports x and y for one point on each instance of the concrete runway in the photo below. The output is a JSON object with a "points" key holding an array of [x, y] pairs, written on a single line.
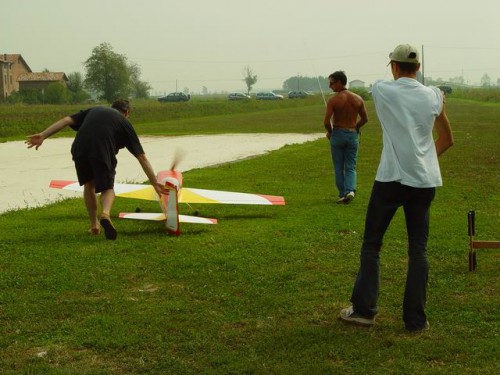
{"points": [[26, 173]]}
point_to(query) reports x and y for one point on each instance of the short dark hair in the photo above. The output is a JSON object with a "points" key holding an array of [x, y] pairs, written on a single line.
{"points": [[122, 105], [339, 75], [407, 67]]}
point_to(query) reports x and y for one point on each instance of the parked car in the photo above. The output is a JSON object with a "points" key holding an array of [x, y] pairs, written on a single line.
{"points": [[298, 94], [238, 96], [268, 96], [175, 97], [445, 88]]}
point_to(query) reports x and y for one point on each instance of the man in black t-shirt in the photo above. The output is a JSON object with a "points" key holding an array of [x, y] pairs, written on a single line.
{"points": [[100, 133]]}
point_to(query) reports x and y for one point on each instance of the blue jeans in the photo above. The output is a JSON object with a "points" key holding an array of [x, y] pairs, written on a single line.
{"points": [[344, 149], [385, 199]]}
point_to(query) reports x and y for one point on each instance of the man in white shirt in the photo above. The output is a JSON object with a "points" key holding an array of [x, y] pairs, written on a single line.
{"points": [[407, 176]]}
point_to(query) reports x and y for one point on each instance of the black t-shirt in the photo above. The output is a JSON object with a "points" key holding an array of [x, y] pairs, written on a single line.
{"points": [[101, 133]]}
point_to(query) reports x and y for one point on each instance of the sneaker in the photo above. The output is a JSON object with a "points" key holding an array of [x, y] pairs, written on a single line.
{"points": [[340, 200], [348, 315], [426, 327], [109, 229], [349, 197]]}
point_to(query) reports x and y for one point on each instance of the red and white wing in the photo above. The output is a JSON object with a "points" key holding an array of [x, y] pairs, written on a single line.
{"points": [[196, 220], [154, 216], [190, 195], [162, 217], [66, 185], [137, 191]]}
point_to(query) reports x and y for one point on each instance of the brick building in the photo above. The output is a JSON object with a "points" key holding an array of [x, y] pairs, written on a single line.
{"points": [[16, 75]]}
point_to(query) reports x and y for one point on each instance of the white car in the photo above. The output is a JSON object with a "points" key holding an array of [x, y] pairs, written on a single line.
{"points": [[238, 96], [268, 96]]}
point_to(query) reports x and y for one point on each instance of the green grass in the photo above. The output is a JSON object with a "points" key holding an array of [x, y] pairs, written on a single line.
{"points": [[259, 292], [17, 121]]}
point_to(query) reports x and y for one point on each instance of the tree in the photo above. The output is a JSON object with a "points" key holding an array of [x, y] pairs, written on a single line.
{"points": [[313, 84], [459, 80], [250, 79], [75, 82], [56, 93], [485, 80], [75, 86], [107, 73], [139, 89]]}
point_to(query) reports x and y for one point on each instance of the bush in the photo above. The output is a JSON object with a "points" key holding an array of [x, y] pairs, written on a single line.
{"points": [[361, 91], [491, 94], [56, 93]]}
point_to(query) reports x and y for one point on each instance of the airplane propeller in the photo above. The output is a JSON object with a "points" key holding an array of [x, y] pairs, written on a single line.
{"points": [[178, 156]]}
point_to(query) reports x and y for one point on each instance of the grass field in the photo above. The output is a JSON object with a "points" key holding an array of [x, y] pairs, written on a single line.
{"points": [[260, 292]]}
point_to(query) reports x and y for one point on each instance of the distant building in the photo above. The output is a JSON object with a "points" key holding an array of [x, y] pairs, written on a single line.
{"points": [[39, 81], [16, 75], [11, 67], [356, 83]]}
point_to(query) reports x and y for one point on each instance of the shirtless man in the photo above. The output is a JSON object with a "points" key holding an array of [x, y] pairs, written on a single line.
{"points": [[342, 129]]}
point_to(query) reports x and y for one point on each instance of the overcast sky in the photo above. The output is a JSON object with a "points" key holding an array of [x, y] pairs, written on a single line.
{"points": [[196, 43]]}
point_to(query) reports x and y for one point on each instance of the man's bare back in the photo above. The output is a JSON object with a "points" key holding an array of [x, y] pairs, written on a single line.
{"points": [[345, 107]]}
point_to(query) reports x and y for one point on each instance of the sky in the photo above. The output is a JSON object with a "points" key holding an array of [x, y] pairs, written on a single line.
{"points": [[208, 43]]}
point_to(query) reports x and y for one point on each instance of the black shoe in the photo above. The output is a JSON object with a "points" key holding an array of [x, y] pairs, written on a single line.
{"points": [[426, 327], [109, 229], [348, 315]]}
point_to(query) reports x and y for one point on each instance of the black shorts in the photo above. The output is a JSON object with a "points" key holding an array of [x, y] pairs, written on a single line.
{"points": [[93, 170]]}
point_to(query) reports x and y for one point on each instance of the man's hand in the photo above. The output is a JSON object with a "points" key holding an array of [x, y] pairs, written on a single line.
{"points": [[160, 188], [34, 140]]}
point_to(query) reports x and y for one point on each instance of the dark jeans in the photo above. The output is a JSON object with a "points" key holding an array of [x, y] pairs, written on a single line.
{"points": [[386, 198]]}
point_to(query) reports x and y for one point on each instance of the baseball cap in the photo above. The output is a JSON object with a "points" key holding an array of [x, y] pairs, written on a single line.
{"points": [[405, 53]]}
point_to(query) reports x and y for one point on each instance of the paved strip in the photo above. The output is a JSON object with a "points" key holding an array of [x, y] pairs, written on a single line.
{"points": [[26, 173]]}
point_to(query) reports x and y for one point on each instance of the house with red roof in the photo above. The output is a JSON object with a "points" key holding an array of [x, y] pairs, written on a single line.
{"points": [[16, 75]]}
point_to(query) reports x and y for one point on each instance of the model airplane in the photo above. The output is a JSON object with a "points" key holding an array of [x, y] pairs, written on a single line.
{"points": [[177, 194]]}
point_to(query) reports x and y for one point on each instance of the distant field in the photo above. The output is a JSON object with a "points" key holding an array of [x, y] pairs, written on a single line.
{"points": [[147, 115]]}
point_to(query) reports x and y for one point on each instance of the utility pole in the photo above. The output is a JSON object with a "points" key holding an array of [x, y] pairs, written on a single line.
{"points": [[423, 66]]}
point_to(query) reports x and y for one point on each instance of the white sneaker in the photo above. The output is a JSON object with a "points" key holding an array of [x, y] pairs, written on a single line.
{"points": [[348, 315], [349, 197]]}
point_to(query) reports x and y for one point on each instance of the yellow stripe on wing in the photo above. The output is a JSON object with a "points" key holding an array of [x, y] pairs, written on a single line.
{"points": [[189, 196], [146, 192]]}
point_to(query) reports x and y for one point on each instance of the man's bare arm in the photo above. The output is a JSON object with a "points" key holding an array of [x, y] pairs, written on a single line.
{"points": [[148, 170], [363, 117], [36, 140], [444, 138], [327, 122]]}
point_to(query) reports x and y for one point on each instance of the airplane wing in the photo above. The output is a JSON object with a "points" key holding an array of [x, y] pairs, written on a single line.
{"points": [[66, 185], [187, 195], [162, 217], [137, 191], [190, 195]]}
